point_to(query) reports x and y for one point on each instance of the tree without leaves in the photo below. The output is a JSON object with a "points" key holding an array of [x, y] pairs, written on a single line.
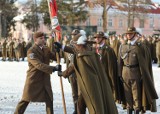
{"points": [[8, 12], [135, 9], [106, 4], [31, 20]]}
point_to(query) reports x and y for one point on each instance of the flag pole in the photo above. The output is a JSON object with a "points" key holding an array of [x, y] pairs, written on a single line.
{"points": [[58, 62]]}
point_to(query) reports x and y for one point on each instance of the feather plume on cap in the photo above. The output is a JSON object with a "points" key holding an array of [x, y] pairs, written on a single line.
{"points": [[83, 33], [80, 38]]}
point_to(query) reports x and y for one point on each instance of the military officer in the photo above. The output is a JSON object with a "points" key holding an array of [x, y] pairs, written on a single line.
{"points": [[154, 41], [79, 105], [109, 60], [91, 77], [38, 86], [114, 43], [158, 52], [136, 75]]}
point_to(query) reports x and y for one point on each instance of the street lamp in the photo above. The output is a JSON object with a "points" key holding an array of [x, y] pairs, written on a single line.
{"points": [[0, 25]]}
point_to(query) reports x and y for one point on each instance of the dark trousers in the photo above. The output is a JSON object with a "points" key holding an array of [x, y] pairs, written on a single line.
{"points": [[81, 105], [22, 105], [74, 86]]}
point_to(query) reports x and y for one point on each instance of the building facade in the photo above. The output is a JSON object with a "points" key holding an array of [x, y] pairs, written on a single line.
{"points": [[116, 20]]}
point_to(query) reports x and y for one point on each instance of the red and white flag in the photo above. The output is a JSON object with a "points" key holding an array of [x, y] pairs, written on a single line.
{"points": [[53, 13], [54, 20]]}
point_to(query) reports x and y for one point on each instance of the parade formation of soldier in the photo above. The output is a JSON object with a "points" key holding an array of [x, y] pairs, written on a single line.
{"points": [[103, 70], [12, 49]]}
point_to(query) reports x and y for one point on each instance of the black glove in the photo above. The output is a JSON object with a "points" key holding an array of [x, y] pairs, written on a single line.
{"points": [[57, 68], [60, 73], [121, 78], [57, 45]]}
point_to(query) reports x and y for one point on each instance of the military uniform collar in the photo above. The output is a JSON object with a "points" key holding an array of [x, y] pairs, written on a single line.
{"points": [[102, 45], [133, 41]]}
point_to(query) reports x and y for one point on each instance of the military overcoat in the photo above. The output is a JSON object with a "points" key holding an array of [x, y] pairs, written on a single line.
{"points": [[38, 83], [94, 84], [109, 62]]}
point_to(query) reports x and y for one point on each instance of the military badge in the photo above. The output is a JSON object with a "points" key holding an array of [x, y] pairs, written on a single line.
{"points": [[134, 55], [31, 55]]}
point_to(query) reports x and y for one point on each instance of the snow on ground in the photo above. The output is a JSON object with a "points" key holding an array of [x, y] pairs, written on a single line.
{"points": [[12, 79]]}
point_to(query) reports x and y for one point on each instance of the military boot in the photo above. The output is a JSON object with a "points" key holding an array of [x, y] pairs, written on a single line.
{"points": [[136, 112], [129, 111]]}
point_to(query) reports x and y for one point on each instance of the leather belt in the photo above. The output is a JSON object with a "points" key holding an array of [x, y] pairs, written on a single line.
{"points": [[132, 66]]}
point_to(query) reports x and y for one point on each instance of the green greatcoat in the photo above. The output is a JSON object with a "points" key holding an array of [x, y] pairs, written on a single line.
{"points": [[38, 84], [94, 84], [149, 95], [109, 61], [116, 44]]}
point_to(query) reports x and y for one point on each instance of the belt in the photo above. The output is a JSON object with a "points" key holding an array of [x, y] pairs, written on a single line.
{"points": [[131, 66]]}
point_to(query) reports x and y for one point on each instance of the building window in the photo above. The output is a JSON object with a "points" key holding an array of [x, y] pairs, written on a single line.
{"points": [[151, 22], [99, 22], [88, 22], [120, 23], [141, 24], [110, 23]]}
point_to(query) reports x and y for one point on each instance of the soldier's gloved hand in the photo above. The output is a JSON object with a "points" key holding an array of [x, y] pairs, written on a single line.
{"points": [[121, 78], [60, 73], [57, 68], [58, 45]]}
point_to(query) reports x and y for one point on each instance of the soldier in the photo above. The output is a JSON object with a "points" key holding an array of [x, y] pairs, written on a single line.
{"points": [[109, 61], [65, 42], [28, 44], [78, 103], [150, 44], [158, 52], [50, 41], [154, 49], [0, 49], [4, 50], [38, 86], [91, 77], [23, 49], [18, 48], [115, 43], [11, 50], [136, 74]]}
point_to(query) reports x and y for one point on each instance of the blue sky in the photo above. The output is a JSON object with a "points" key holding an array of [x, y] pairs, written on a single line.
{"points": [[156, 1]]}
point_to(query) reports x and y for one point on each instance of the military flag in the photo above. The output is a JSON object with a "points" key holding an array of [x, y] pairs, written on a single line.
{"points": [[54, 20]]}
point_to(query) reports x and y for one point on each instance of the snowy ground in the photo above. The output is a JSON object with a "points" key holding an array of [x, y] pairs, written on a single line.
{"points": [[12, 78]]}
